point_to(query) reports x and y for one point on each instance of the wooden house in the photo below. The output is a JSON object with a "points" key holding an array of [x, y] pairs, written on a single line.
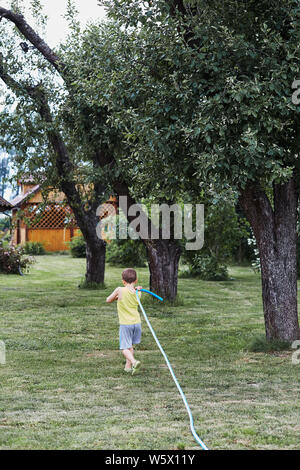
{"points": [[52, 222]]}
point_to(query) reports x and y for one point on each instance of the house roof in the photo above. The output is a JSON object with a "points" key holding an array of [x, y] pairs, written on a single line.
{"points": [[17, 201], [4, 205]]}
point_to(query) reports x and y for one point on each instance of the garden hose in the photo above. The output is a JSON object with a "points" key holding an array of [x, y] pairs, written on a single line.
{"points": [[195, 435]]}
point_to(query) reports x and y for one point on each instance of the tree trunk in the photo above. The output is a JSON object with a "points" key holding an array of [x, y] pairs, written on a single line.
{"points": [[95, 262], [275, 233], [95, 246], [163, 261]]}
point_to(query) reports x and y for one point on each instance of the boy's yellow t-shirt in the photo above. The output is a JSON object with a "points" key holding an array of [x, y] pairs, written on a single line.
{"points": [[128, 307]]}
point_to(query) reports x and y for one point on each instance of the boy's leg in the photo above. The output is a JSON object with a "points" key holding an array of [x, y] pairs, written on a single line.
{"points": [[136, 339], [132, 352], [127, 335], [128, 363], [126, 344], [128, 353]]}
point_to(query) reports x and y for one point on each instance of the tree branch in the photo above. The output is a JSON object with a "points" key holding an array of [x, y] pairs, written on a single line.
{"points": [[34, 38], [63, 164], [10, 82]]}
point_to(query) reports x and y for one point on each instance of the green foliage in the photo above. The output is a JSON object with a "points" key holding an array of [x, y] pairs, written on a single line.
{"points": [[126, 253], [13, 261], [223, 231], [34, 248], [203, 90], [4, 230], [78, 247], [261, 344], [255, 261], [112, 77], [4, 242], [207, 268], [4, 223]]}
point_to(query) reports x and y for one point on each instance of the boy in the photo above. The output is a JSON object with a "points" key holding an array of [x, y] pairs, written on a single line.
{"points": [[129, 317]]}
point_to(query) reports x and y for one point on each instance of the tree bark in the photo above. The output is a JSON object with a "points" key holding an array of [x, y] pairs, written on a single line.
{"points": [[95, 262], [163, 262], [275, 232]]}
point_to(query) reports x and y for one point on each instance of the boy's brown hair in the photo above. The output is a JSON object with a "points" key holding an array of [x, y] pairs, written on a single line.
{"points": [[129, 275]]}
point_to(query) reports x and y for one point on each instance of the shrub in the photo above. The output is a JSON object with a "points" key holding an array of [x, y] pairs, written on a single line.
{"points": [[12, 260], [4, 223], [118, 252], [224, 230], [206, 268], [78, 247], [34, 248], [126, 253]]}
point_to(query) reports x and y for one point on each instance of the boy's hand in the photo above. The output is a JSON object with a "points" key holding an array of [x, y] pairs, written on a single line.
{"points": [[138, 288]]}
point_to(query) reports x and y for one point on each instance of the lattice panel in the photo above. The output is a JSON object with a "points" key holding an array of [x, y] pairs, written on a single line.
{"points": [[59, 216], [107, 209], [50, 216]]}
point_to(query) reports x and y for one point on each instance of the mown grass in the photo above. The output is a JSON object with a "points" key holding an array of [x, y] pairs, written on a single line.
{"points": [[63, 385]]}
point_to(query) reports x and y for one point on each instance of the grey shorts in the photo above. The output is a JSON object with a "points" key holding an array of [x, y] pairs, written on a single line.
{"points": [[129, 335]]}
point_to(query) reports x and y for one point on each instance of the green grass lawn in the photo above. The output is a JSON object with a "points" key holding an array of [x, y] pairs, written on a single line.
{"points": [[63, 386]]}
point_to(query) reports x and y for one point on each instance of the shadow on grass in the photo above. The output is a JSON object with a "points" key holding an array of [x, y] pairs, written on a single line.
{"points": [[149, 301], [91, 285], [261, 344]]}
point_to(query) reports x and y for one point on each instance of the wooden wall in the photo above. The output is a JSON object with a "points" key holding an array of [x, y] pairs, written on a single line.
{"points": [[52, 239]]}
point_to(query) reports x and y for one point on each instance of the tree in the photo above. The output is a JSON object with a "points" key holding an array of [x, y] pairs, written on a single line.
{"points": [[31, 81], [100, 144], [97, 115], [234, 65]]}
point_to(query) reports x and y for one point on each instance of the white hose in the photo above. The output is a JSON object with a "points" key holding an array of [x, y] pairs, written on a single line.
{"points": [[196, 437]]}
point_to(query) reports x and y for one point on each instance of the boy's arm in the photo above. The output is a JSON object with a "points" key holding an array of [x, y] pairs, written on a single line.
{"points": [[113, 296]]}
